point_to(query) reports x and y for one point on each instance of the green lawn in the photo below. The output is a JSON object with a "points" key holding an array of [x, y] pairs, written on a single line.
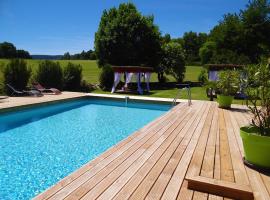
{"points": [[91, 70], [91, 74]]}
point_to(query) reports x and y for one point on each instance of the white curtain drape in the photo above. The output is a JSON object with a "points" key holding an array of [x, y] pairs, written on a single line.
{"points": [[139, 83], [147, 76], [128, 78], [213, 75], [117, 77]]}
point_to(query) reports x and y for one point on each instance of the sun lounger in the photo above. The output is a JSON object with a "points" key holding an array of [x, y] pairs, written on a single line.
{"points": [[15, 92], [44, 90]]}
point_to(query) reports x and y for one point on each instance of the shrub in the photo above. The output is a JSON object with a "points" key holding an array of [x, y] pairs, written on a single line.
{"points": [[50, 74], [72, 77], [174, 60], [258, 91], [17, 74], [229, 82], [106, 78], [203, 76], [86, 87]]}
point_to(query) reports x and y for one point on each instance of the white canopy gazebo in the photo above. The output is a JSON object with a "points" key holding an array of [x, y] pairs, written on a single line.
{"points": [[129, 71]]}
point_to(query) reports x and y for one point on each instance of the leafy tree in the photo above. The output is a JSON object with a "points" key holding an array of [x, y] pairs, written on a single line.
{"points": [[7, 50], [192, 43], [84, 55], [23, 54], [126, 37], [225, 56], [66, 56], [165, 39], [178, 40], [91, 55], [228, 34], [201, 38], [245, 34], [50, 74], [256, 25], [17, 73], [174, 60], [207, 51]]}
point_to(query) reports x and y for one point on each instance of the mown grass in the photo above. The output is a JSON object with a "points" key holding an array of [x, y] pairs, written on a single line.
{"points": [[91, 70], [91, 75]]}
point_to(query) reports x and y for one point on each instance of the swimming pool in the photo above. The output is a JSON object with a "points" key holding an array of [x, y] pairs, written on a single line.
{"points": [[43, 144]]}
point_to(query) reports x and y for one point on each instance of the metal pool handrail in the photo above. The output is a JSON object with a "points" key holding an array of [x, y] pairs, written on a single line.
{"points": [[183, 86]]}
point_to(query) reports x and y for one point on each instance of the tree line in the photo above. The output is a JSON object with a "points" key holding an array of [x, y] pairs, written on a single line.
{"points": [[84, 55], [8, 50], [126, 37], [239, 38]]}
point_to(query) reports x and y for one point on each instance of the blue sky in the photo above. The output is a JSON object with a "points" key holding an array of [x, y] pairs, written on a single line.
{"points": [[57, 26]]}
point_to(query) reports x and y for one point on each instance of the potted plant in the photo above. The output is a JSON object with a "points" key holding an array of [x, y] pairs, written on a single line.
{"points": [[227, 86], [256, 136]]}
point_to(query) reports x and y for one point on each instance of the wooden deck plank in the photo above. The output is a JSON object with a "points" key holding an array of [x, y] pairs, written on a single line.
{"points": [[123, 176], [136, 180], [209, 157], [121, 163], [123, 180], [130, 139], [161, 174], [225, 156], [163, 179], [236, 157], [260, 191], [207, 168], [217, 163], [153, 162], [135, 143], [185, 193], [266, 180], [176, 181]]}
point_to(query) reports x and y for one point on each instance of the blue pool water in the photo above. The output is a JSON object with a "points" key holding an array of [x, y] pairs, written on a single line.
{"points": [[41, 145]]}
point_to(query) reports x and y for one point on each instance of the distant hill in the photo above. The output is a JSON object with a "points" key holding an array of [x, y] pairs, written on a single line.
{"points": [[46, 57]]}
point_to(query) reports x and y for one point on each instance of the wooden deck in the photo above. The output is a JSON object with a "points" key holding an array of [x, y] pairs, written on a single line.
{"points": [[198, 143], [13, 102]]}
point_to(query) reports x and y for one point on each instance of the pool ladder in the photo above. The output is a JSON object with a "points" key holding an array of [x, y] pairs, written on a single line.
{"points": [[187, 88]]}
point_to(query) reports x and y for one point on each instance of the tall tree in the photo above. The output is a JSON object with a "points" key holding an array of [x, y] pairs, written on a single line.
{"points": [[192, 43], [165, 39], [7, 50], [228, 34], [256, 25], [66, 56], [244, 35], [174, 60], [23, 54], [126, 37]]}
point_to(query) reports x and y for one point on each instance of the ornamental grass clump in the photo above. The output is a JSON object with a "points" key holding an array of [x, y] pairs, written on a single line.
{"points": [[258, 91]]}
